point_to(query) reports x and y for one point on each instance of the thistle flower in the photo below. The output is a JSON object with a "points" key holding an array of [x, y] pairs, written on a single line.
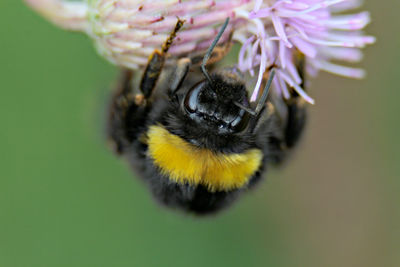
{"points": [[126, 32], [310, 27]]}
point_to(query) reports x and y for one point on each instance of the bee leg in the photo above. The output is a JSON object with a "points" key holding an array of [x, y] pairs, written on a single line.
{"points": [[179, 76], [289, 120], [123, 104], [128, 111], [156, 64], [296, 121], [296, 107]]}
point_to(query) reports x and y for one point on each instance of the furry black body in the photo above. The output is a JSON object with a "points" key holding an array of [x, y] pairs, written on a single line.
{"points": [[210, 128]]}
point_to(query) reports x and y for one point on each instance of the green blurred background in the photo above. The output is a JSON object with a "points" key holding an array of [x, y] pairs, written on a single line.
{"points": [[66, 200]]}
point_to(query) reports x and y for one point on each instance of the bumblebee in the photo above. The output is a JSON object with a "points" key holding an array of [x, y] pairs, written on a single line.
{"points": [[193, 136]]}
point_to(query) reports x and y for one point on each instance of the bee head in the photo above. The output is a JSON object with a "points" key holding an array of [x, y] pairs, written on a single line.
{"points": [[210, 103]]}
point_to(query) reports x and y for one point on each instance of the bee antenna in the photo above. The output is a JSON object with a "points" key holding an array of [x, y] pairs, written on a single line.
{"points": [[263, 99], [264, 95], [211, 48], [248, 110]]}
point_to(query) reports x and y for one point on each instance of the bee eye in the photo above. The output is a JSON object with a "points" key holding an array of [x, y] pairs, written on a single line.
{"points": [[191, 99], [240, 122]]}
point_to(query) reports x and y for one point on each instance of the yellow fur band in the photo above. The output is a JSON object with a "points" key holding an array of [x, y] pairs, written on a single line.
{"points": [[185, 163]]}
